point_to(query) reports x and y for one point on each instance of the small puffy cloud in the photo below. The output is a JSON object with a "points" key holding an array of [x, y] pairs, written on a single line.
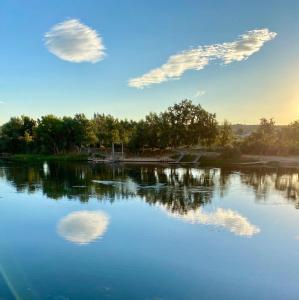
{"points": [[75, 42], [2, 102], [198, 58], [225, 218], [83, 227], [199, 94]]}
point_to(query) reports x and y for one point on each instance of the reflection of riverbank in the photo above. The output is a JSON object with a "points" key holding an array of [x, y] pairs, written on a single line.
{"points": [[83, 227], [180, 188]]}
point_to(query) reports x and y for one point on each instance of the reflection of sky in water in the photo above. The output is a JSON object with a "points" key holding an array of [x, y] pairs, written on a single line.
{"points": [[129, 185], [224, 218], [227, 219], [46, 169], [185, 235], [83, 227]]}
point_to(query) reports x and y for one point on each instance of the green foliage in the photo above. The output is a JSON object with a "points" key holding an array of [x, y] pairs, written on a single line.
{"points": [[108, 129], [183, 124], [272, 140], [225, 134], [17, 134], [289, 137], [50, 134], [263, 140], [190, 124], [230, 152]]}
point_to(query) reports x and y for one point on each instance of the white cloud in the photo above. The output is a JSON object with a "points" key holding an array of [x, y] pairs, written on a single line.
{"points": [[2, 102], [83, 227], [198, 58], [199, 94], [73, 41], [225, 218]]}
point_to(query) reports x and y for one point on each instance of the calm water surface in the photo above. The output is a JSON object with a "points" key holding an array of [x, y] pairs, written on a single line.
{"points": [[76, 231]]}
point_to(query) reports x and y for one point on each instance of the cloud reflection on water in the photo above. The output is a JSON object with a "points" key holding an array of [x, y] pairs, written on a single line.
{"points": [[83, 227], [225, 218]]}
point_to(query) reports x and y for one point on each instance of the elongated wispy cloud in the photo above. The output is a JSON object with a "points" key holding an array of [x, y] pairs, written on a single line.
{"points": [[75, 42], [198, 58]]}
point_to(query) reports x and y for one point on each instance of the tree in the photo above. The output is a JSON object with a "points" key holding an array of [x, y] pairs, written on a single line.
{"points": [[50, 134], [182, 124], [83, 131], [289, 138], [264, 140], [191, 124], [139, 137], [17, 135], [225, 134]]}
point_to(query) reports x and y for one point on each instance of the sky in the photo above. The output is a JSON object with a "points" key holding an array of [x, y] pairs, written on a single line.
{"points": [[238, 59]]}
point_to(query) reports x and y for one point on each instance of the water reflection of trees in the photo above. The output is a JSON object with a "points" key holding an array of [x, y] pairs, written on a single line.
{"points": [[265, 181], [178, 189]]}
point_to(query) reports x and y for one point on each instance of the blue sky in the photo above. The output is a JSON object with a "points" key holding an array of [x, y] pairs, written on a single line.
{"points": [[140, 36]]}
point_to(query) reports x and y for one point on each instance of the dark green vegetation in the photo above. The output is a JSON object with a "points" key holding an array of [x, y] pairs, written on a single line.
{"points": [[183, 124], [272, 140]]}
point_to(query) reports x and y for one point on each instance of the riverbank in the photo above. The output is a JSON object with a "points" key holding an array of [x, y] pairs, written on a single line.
{"points": [[200, 159], [43, 157]]}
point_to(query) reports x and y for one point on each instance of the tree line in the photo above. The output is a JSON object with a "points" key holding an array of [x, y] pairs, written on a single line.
{"points": [[182, 124], [272, 140]]}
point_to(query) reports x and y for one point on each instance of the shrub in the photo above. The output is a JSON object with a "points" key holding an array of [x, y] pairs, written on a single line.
{"points": [[231, 152]]}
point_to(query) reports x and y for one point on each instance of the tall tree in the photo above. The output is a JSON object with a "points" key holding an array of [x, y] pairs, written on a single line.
{"points": [[50, 134], [17, 134]]}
